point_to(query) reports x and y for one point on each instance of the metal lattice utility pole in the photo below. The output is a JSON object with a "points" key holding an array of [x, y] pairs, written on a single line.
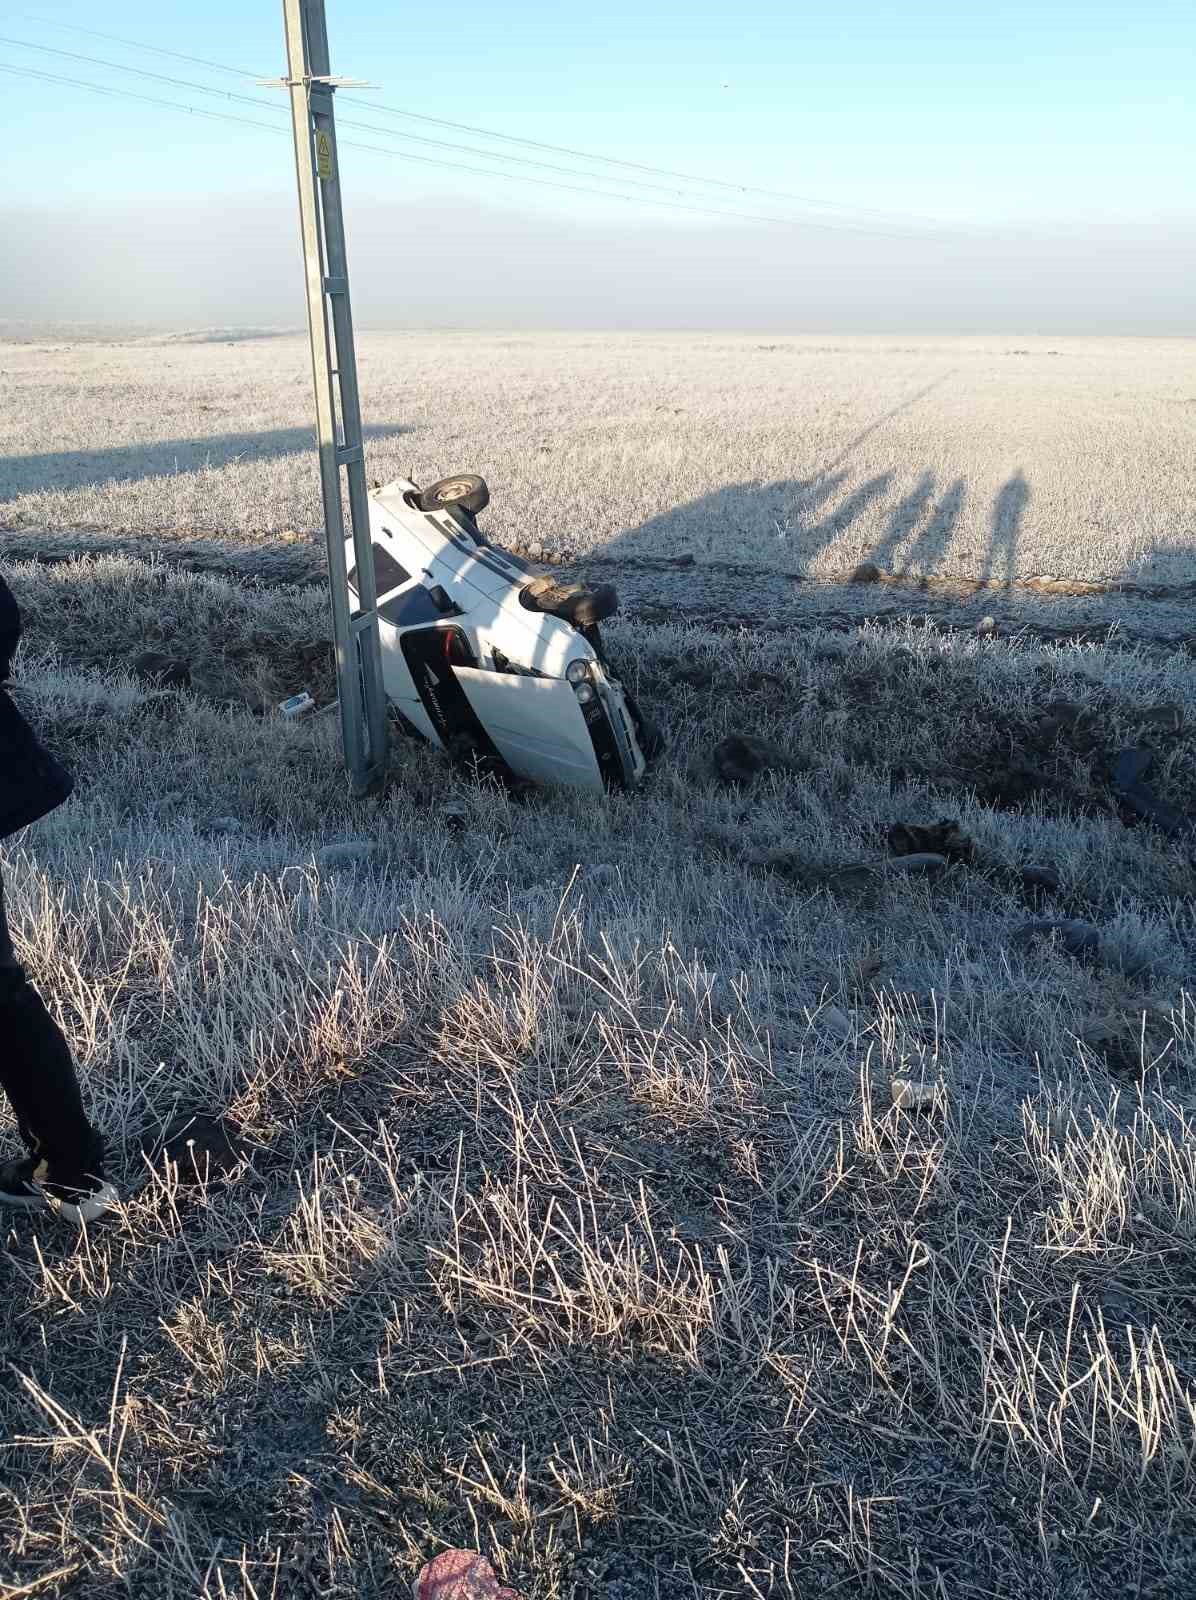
{"points": [[334, 370]]}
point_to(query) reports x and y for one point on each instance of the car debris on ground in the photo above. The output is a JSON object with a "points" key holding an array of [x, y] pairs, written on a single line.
{"points": [[908, 1094]]}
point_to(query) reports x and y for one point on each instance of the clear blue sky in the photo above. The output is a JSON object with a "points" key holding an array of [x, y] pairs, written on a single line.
{"points": [[965, 110]]}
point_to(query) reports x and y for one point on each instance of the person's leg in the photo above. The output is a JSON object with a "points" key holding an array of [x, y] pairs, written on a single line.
{"points": [[38, 1076]]}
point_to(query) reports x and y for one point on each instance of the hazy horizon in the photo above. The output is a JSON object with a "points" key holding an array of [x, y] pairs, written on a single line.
{"points": [[927, 171], [210, 261]]}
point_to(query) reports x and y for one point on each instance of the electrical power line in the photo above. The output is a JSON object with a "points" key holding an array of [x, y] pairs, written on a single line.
{"points": [[138, 72], [137, 44], [457, 166], [529, 144], [132, 94], [638, 166], [345, 122]]}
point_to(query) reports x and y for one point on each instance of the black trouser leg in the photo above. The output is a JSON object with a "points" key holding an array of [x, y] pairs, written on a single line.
{"points": [[38, 1075]]}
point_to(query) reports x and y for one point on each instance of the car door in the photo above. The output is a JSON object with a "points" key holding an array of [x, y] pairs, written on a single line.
{"points": [[537, 725]]}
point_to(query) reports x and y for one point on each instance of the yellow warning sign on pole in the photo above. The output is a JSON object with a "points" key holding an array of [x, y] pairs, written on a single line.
{"points": [[323, 154]]}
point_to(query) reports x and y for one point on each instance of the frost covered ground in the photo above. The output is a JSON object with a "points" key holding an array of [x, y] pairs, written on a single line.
{"points": [[998, 458], [574, 1217]]}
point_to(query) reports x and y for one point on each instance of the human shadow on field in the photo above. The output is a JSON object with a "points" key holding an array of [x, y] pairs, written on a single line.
{"points": [[911, 548], [916, 541], [927, 545], [714, 522], [782, 510], [742, 524], [825, 532], [76, 469], [1000, 560], [715, 527]]}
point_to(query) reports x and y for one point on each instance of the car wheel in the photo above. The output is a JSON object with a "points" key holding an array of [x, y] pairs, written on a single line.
{"points": [[464, 490]]}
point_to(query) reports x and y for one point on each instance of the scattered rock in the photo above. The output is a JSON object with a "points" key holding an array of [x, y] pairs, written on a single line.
{"points": [[168, 671], [208, 679], [1129, 769], [1062, 716], [910, 1095], [1119, 951], [200, 1145], [867, 684], [1169, 717], [741, 757], [696, 674], [1039, 883], [925, 864], [832, 650], [342, 855], [1016, 786], [784, 862], [971, 972], [1081, 939], [256, 698], [835, 1021], [866, 572], [862, 972], [536, 551], [460, 1575], [313, 652], [944, 838], [857, 877], [1117, 1041], [758, 681]]}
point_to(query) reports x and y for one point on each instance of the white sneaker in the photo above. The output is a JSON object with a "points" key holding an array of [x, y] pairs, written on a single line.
{"points": [[25, 1185]]}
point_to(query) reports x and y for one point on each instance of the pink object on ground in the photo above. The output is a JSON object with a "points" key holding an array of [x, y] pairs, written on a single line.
{"points": [[460, 1575]]}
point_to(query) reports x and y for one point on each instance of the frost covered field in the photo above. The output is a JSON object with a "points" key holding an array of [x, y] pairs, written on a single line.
{"points": [[674, 1197], [996, 458]]}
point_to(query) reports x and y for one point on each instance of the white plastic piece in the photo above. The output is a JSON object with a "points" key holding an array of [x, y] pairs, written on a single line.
{"points": [[911, 1096], [297, 706]]}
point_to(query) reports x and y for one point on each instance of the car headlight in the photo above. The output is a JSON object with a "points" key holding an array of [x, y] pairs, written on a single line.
{"points": [[577, 671], [585, 692]]}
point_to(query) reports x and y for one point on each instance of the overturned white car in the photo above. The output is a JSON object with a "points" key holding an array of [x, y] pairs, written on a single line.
{"points": [[500, 666]]}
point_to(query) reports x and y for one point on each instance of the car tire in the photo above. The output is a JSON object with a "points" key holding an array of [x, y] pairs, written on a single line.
{"points": [[465, 490]]}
